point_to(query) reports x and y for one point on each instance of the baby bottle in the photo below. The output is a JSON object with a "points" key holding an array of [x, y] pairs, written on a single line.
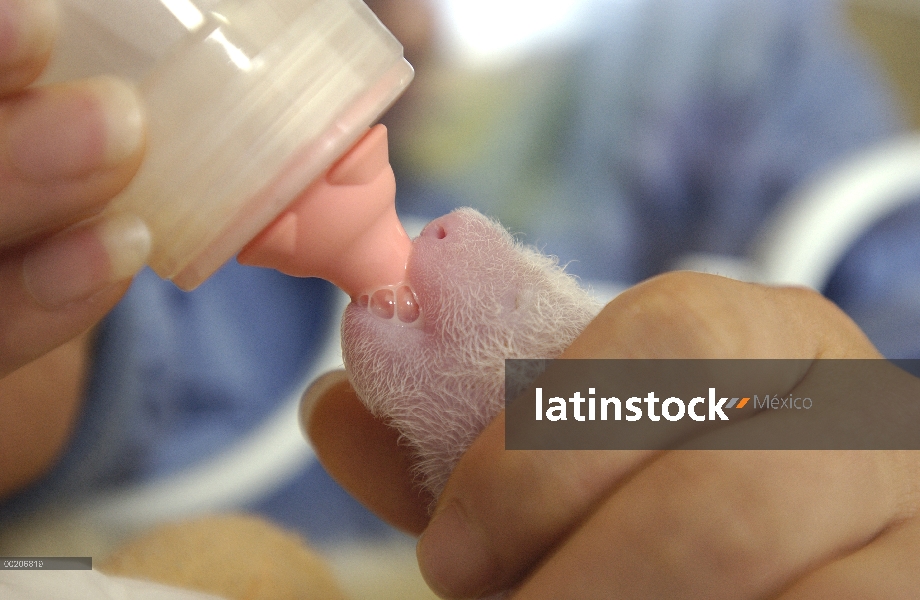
{"points": [[249, 103]]}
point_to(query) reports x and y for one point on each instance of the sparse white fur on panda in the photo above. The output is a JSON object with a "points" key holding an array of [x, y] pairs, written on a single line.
{"points": [[484, 298]]}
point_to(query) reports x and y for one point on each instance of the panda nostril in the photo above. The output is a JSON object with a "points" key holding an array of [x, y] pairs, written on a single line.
{"points": [[435, 230]]}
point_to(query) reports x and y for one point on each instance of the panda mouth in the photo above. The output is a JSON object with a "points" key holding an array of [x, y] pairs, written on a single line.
{"points": [[396, 304]]}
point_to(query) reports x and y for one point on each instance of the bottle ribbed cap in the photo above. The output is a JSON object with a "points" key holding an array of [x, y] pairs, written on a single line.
{"points": [[260, 99]]}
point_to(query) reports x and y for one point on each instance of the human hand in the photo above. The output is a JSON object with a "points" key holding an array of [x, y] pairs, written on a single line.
{"points": [[641, 525], [65, 151]]}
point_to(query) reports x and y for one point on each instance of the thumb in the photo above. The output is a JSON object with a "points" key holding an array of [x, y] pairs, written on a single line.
{"points": [[362, 453]]}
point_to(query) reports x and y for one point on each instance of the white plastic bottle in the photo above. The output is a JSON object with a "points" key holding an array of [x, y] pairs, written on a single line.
{"points": [[248, 101]]}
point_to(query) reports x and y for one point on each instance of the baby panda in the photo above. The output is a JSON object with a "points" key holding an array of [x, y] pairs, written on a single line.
{"points": [[482, 298]]}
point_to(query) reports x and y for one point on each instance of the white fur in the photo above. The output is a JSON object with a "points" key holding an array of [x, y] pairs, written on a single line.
{"points": [[485, 298]]}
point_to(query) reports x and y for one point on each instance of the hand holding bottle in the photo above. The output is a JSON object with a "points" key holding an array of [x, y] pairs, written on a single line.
{"points": [[65, 150]]}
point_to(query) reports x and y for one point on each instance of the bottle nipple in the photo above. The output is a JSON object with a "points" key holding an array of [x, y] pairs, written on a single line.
{"points": [[343, 228]]}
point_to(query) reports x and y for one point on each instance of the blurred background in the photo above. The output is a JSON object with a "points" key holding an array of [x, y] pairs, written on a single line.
{"points": [[892, 28]]}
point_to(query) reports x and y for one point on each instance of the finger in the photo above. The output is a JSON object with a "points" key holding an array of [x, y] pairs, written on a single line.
{"points": [[694, 315], [27, 31], [502, 511], [65, 150], [886, 569], [53, 290], [39, 407], [362, 453], [724, 525], [736, 524]]}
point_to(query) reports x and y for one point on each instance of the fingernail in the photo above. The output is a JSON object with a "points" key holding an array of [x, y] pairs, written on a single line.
{"points": [[27, 28], [79, 262], [453, 556], [127, 242], [71, 130]]}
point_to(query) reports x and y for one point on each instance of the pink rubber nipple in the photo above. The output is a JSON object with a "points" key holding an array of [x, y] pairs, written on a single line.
{"points": [[344, 227]]}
